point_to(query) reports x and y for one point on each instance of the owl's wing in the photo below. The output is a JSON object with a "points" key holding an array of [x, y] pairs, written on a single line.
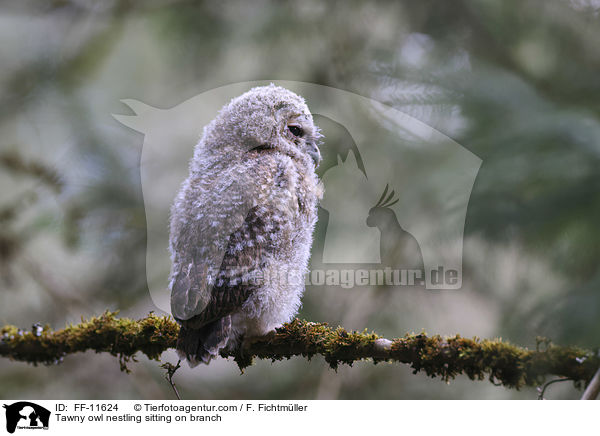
{"points": [[216, 243], [209, 208], [235, 281]]}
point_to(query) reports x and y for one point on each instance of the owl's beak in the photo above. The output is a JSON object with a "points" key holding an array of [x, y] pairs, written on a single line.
{"points": [[314, 153]]}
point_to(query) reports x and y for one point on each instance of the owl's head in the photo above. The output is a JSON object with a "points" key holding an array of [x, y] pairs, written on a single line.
{"points": [[265, 119]]}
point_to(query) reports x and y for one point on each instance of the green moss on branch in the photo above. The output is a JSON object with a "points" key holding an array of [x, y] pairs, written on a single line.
{"points": [[121, 337], [500, 362]]}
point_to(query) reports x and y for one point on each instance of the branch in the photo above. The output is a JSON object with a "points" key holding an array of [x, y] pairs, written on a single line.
{"points": [[502, 363]]}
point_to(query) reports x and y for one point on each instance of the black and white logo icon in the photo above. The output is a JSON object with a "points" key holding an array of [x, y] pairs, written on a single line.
{"points": [[26, 415]]}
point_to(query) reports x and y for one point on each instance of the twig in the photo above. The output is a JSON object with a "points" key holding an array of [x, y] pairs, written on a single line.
{"points": [[592, 390], [542, 390], [171, 369]]}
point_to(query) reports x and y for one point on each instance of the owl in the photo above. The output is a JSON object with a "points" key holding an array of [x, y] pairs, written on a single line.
{"points": [[241, 225]]}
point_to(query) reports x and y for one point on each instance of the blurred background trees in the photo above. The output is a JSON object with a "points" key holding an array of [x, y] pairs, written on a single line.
{"points": [[515, 82]]}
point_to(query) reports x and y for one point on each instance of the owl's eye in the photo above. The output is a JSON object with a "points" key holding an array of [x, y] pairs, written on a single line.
{"points": [[296, 130]]}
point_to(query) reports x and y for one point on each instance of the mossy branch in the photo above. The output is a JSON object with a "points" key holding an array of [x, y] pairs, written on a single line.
{"points": [[444, 357]]}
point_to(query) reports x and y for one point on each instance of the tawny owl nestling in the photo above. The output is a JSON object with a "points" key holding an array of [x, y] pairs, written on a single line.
{"points": [[242, 223]]}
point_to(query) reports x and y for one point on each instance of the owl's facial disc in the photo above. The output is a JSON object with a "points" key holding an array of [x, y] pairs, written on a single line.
{"points": [[303, 135]]}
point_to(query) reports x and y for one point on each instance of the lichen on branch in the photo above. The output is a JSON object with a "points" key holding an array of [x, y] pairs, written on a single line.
{"points": [[445, 357]]}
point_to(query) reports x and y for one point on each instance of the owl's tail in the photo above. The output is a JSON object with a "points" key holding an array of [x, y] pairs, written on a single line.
{"points": [[204, 343]]}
